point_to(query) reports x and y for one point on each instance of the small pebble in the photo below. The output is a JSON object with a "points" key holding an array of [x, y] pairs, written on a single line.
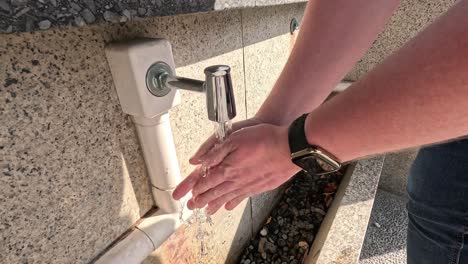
{"points": [[22, 12], [79, 21], [281, 243], [303, 244], [75, 6], [377, 224], [141, 11], [44, 24], [127, 14], [90, 4], [111, 16], [264, 232], [317, 210], [4, 5], [88, 16]]}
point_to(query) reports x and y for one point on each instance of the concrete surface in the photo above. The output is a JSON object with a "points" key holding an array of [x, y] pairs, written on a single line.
{"points": [[396, 170], [342, 233], [70, 156], [410, 18], [386, 234], [224, 240], [267, 41]]}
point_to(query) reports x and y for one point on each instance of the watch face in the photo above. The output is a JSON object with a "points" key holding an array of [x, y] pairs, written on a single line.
{"points": [[314, 164]]}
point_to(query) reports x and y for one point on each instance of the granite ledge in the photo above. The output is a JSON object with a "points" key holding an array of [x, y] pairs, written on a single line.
{"points": [[341, 235], [32, 15]]}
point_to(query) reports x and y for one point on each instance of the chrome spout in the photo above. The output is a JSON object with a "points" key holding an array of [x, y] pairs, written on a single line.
{"points": [[220, 103]]}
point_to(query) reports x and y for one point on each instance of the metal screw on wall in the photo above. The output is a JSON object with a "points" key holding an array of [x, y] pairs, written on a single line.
{"points": [[293, 25]]}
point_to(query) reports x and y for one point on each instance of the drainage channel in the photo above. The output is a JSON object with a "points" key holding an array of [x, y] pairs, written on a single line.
{"points": [[289, 231]]}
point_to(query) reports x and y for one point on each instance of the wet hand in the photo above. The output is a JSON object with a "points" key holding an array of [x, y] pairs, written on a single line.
{"points": [[252, 160], [211, 141]]}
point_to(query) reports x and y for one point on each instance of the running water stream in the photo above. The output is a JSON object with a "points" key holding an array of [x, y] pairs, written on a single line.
{"points": [[200, 218]]}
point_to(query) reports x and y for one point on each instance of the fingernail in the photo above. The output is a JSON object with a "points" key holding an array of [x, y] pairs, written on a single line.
{"points": [[190, 204]]}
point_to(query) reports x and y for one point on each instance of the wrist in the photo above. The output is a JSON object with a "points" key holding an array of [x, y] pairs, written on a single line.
{"points": [[320, 132], [268, 118], [284, 150]]}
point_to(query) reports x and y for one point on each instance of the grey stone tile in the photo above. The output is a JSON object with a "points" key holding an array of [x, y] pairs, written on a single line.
{"points": [[73, 176], [224, 240], [342, 232], [386, 234], [396, 170], [267, 45], [410, 18]]}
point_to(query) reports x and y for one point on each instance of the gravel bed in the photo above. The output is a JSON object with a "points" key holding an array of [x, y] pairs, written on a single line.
{"points": [[289, 231]]}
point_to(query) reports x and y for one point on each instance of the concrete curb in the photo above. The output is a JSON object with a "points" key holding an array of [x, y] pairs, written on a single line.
{"points": [[342, 233]]}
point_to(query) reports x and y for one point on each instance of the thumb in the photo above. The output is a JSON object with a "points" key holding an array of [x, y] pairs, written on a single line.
{"points": [[202, 150]]}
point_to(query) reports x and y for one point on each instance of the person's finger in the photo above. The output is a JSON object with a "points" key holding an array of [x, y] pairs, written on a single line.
{"points": [[214, 205], [217, 154], [235, 202], [212, 209], [186, 185], [214, 193], [256, 189], [202, 150], [214, 177]]}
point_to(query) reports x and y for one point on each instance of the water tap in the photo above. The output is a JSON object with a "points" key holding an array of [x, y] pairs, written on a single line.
{"points": [[220, 103]]}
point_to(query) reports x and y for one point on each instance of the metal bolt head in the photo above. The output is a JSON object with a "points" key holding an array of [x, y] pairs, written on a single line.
{"points": [[293, 25], [156, 77]]}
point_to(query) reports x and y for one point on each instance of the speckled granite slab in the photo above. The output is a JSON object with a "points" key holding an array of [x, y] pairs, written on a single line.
{"points": [[341, 236], [31, 15]]}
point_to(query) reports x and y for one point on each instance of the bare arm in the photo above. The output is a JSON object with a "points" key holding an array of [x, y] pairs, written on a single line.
{"points": [[416, 97], [334, 35]]}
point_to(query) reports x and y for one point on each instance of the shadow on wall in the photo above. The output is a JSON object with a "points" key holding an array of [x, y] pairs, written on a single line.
{"points": [[73, 175]]}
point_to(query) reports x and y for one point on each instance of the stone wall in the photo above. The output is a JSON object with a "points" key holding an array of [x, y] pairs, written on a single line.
{"points": [[72, 173]]}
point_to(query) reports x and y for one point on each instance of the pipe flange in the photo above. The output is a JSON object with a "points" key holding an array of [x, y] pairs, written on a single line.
{"points": [[156, 78]]}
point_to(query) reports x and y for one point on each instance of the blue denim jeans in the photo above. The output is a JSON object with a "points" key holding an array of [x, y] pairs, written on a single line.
{"points": [[438, 205]]}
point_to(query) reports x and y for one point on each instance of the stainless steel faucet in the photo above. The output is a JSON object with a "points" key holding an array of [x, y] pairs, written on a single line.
{"points": [[217, 86]]}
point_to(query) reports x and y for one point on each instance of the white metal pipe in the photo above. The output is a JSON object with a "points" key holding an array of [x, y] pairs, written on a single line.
{"points": [[160, 156]]}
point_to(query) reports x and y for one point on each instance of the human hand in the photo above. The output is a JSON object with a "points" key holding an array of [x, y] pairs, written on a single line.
{"points": [[212, 140], [252, 160]]}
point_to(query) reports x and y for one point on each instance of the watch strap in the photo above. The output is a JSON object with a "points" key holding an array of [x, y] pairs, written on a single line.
{"points": [[296, 135]]}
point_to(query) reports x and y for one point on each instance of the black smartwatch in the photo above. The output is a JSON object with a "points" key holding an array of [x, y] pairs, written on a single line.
{"points": [[312, 159]]}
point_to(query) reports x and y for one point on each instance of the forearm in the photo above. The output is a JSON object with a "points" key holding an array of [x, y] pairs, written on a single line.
{"points": [[418, 96], [333, 36]]}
